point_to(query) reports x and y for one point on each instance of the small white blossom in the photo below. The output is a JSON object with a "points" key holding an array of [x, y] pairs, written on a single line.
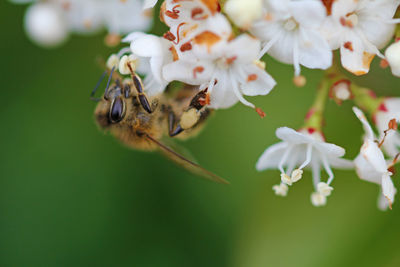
{"points": [[370, 163], [194, 23], [230, 71], [291, 33], [281, 189], [45, 25], [49, 23], [389, 109], [150, 54], [112, 61], [306, 148], [392, 54], [360, 28], [244, 13]]}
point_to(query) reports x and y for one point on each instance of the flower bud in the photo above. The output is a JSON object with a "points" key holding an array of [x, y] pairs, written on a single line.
{"points": [[244, 13], [45, 24], [392, 54]]}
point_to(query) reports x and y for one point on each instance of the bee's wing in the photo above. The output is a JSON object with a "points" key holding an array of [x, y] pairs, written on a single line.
{"points": [[187, 163]]}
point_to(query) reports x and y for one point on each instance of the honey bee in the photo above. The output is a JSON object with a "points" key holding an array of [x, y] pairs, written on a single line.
{"points": [[147, 123]]}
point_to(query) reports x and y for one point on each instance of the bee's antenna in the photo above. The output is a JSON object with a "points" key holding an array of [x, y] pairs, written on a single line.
{"points": [[108, 83], [98, 84]]}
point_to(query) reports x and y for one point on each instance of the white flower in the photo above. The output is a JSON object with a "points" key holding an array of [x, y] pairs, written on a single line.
{"points": [[148, 54], [370, 163], [194, 22], [44, 24], [281, 189], [48, 23], [306, 148], [360, 28], [229, 72], [291, 33], [243, 13], [389, 110], [392, 54]]}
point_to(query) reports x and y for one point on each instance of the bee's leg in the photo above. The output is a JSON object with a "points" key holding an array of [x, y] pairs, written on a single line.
{"points": [[197, 108], [172, 130], [139, 88]]}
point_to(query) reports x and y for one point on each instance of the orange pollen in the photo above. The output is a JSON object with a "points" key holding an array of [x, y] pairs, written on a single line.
{"points": [[186, 46], [392, 124], [175, 56], [230, 60], [206, 38], [171, 14], [260, 112], [349, 46], [384, 64], [198, 14], [198, 69], [328, 6], [169, 36], [252, 77]]}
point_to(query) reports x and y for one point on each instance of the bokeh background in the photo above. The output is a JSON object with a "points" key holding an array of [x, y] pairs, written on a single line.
{"points": [[72, 196]]}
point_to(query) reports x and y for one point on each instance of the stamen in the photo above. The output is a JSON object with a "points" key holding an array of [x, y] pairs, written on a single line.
{"points": [[284, 158], [392, 125], [308, 156], [327, 169], [296, 63]]}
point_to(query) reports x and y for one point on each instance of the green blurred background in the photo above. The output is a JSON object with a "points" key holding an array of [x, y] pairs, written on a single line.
{"points": [[72, 196]]}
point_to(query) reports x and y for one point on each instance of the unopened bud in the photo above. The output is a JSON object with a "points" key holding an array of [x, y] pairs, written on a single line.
{"points": [[112, 61], [244, 13], [392, 54]]}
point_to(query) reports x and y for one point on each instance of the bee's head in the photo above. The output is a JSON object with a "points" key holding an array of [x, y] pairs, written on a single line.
{"points": [[112, 108], [117, 98]]}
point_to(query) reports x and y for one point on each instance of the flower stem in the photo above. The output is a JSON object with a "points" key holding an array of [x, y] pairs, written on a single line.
{"points": [[315, 115]]}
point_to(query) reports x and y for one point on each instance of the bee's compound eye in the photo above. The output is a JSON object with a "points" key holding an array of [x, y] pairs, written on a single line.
{"points": [[117, 110]]}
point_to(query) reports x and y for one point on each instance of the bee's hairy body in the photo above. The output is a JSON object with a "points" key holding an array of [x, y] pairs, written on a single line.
{"points": [[137, 123]]}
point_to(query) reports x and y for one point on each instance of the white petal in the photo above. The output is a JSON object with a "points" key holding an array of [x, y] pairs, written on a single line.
{"points": [[190, 72], [366, 171], [314, 50], [255, 81], [271, 156], [388, 189], [146, 45], [291, 136], [367, 127], [373, 154], [149, 4], [244, 48], [309, 14]]}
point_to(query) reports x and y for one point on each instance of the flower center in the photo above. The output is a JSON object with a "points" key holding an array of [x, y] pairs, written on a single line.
{"points": [[290, 24], [353, 19], [224, 63]]}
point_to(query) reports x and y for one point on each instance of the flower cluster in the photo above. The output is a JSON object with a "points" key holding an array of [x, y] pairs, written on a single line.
{"points": [[220, 49], [219, 46], [49, 23]]}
